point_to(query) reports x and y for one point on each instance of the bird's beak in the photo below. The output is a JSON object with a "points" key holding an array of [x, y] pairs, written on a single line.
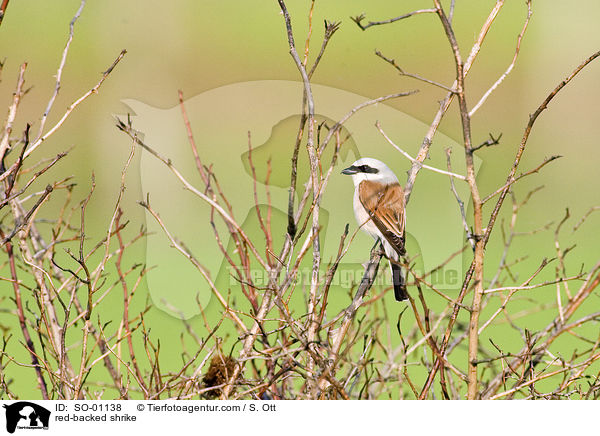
{"points": [[350, 170]]}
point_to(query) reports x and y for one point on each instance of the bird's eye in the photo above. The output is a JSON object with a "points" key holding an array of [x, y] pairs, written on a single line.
{"points": [[367, 169]]}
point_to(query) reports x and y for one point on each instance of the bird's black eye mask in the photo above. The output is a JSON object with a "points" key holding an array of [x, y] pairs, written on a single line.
{"points": [[360, 169]]}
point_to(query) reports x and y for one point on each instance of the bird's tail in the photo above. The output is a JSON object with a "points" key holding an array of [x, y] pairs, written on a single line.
{"points": [[399, 283]]}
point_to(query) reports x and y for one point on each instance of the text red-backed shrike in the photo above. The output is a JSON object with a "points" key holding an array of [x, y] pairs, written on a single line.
{"points": [[379, 211]]}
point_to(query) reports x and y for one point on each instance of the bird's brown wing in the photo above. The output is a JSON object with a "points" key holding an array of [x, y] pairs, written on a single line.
{"points": [[385, 205]]}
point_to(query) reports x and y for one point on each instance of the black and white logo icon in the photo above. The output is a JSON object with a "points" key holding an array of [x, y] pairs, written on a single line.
{"points": [[26, 415]]}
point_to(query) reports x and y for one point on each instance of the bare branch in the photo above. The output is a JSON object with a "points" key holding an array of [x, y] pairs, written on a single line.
{"points": [[584, 217], [59, 72], [461, 204], [12, 113], [393, 63], [510, 67], [532, 119], [359, 19], [445, 103], [488, 143], [410, 158], [74, 105]]}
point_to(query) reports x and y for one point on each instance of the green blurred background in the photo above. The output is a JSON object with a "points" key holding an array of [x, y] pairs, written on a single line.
{"points": [[197, 46]]}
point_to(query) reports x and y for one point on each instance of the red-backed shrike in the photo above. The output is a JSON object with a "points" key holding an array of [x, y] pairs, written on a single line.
{"points": [[379, 211]]}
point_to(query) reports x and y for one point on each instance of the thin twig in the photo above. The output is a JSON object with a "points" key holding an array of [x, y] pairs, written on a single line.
{"points": [[74, 105], [359, 19], [12, 112], [510, 67], [461, 204], [410, 158], [59, 72], [393, 63]]}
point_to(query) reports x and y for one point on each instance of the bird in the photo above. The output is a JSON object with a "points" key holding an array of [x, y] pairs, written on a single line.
{"points": [[379, 210]]}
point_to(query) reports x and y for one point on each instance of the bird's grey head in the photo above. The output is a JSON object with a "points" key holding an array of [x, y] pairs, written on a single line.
{"points": [[371, 169]]}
